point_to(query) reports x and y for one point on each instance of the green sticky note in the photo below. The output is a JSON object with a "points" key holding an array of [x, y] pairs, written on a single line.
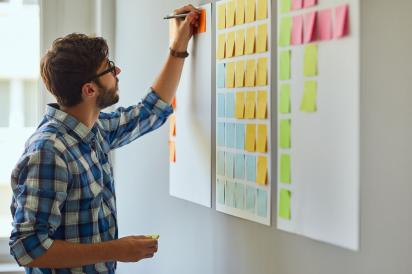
{"points": [[285, 31], [284, 204], [308, 103], [285, 133], [284, 100], [285, 168], [311, 60], [285, 5], [154, 236], [284, 65]]}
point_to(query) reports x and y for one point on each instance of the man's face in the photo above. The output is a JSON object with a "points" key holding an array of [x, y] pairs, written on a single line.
{"points": [[108, 86]]}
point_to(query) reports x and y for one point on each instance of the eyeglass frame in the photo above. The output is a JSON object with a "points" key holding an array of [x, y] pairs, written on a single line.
{"points": [[112, 69]]}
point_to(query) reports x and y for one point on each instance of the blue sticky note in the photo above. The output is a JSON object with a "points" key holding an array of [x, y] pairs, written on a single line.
{"points": [[220, 188], [220, 105], [251, 168], [250, 198], [239, 196], [229, 164], [262, 202], [240, 166], [240, 136], [230, 193], [221, 163], [230, 135], [221, 134], [220, 77], [230, 105]]}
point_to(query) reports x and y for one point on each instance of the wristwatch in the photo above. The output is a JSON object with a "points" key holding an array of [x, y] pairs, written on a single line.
{"points": [[178, 54]]}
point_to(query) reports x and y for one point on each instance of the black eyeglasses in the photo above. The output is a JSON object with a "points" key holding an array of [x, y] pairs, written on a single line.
{"points": [[112, 69]]}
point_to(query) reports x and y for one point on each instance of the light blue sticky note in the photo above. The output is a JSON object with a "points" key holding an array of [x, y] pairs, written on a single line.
{"points": [[230, 193], [229, 164], [221, 134], [251, 168], [220, 188], [262, 203], [240, 136], [220, 105], [239, 196], [240, 166], [221, 163], [250, 198], [230, 105], [230, 135], [220, 77]]}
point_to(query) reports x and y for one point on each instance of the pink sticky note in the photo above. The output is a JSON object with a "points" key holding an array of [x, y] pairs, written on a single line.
{"points": [[297, 30], [310, 27], [325, 24], [310, 3], [297, 4], [342, 21]]}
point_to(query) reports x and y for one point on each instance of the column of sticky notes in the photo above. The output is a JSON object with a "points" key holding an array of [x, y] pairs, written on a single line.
{"points": [[243, 109], [172, 134]]}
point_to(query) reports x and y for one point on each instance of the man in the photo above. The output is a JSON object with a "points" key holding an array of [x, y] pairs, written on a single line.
{"points": [[64, 203]]}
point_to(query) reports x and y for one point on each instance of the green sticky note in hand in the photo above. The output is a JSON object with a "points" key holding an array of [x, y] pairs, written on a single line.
{"points": [[308, 103], [154, 236], [285, 31], [311, 60], [285, 133], [285, 168], [284, 65], [284, 204], [284, 101]]}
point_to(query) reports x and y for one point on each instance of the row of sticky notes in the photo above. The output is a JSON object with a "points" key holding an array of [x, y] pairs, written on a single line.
{"points": [[243, 73], [310, 64], [245, 197], [285, 197], [288, 5], [238, 12], [242, 42], [243, 105], [309, 98]]}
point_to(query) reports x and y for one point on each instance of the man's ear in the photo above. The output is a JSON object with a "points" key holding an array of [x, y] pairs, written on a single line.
{"points": [[88, 90]]}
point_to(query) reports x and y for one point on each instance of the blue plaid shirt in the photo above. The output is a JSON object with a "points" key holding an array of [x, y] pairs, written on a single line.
{"points": [[63, 186]]}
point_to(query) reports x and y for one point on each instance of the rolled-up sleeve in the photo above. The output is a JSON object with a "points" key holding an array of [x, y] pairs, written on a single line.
{"points": [[39, 185], [126, 124]]}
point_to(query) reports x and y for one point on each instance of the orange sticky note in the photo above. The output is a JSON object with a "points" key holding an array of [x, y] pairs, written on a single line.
{"points": [[172, 152], [240, 42], [261, 110], [221, 19], [240, 73], [250, 105], [202, 22], [262, 169], [250, 73], [240, 105], [250, 11], [240, 12], [172, 126], [221, 43], [174, 103], [250, 137], [230, 44], [230, 75], [262, 68], [262, 35], [230, 14], [250, 40], [261, 144]]}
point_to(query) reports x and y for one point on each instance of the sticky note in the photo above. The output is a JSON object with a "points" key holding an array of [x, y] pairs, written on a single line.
{"points": [[240, 105], [250, 105], [172, 151], [221, 19], [229, 164], [250, 73], [230, 13], [230, 75], [297, 30], [250, 40], [285, 5], [261, 109], [240, 74], [262, 35], [262, 201], [174, 102], [262, 72], [220, 75], [220, 163], [262, 170], [285, 128], [309, 3], [240, 166], [239, 196], [341, 21], [284, 204], [325, 24], [240, 136], [250, 198], [284, 64], [310, 27], [230, 105], [310, 66], [202, 22], [230, 135], [220, 189], [230, 193], [285, 168], [240, 42], [230, 44], [250, 137], [154, 236], [221, 44], [250, 11], [261, 143], [221, 134], [285, 31], [297, 4], [262, 9], [251, 168], [284, 100], [172, 126], [240, 12], [308, 103]]}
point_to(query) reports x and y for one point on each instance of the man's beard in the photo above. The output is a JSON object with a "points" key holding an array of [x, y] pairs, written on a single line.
{"points": [[107, 97]]}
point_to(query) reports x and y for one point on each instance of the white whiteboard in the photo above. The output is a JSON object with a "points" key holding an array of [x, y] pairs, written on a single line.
{"points": [[325, 144], [190, 175]]}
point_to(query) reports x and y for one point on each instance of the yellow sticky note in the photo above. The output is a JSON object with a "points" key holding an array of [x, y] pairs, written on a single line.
{"points": [[262, 68], [262, 9], [262, 170], [250, 11], [250, 137], [240, 105], [250, 40], [262, 35], [240, 42], [230, 75], [221, 19], [230, 14], [261, 110], [261, 144], [221, 43], [308, 103], [250, 73], [311, 60], [230, 44], [250, 105], [240, 12], [240, 73]]}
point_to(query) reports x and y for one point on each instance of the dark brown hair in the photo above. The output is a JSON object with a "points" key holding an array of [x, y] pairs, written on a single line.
{"points": [[70, 63]]}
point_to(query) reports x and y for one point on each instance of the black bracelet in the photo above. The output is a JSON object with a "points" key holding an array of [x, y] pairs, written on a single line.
{"points": [[178, 54]]}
